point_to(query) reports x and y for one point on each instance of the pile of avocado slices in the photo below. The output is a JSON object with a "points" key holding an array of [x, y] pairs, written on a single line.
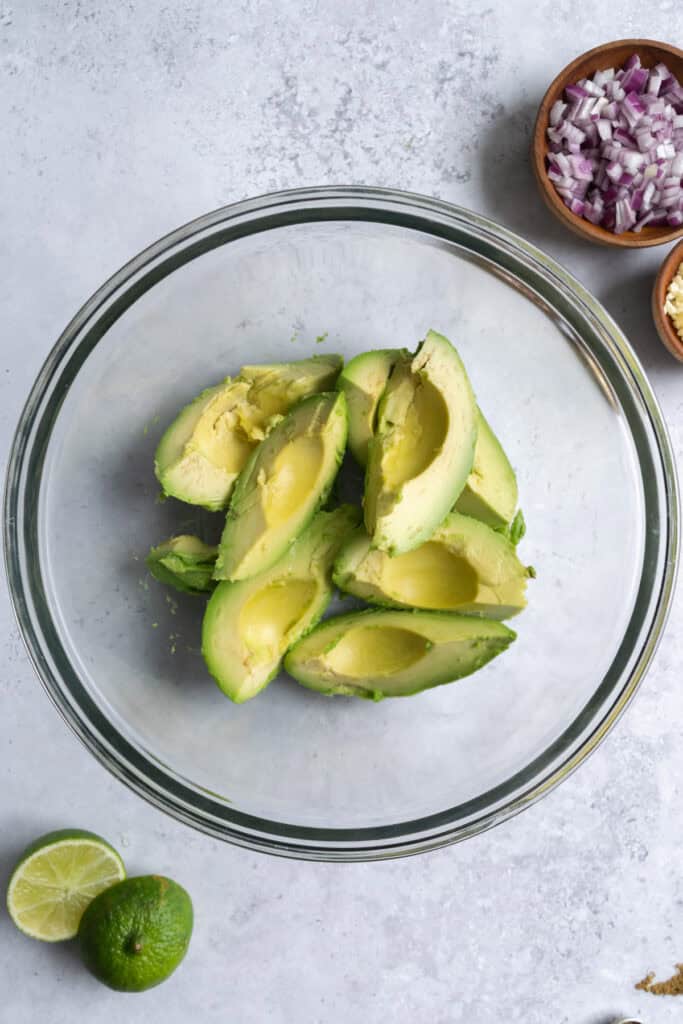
{"points": [[433, 548]]}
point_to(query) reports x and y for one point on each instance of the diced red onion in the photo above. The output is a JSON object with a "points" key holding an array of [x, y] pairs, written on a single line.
{"points": [[591, 133], [604, 128], [603, 77], [613, 90], [580, 113], [616, 147], [625, 217], [582, 169], [621, 136], [577, 206], [633, 108], [600, 104], [644, 139], [631, 160], [644, 221], [635, 80], [666, 151], [557, 112], [593, 212], [614, 170]]}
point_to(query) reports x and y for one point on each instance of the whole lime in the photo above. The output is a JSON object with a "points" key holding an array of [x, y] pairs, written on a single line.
{"points": [[134, 935]]}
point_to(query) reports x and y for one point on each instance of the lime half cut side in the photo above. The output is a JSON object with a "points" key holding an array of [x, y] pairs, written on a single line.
{"points": [[56, 878]]}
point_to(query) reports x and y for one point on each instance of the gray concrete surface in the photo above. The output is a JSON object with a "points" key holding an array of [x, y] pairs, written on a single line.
{"points": [[121, 121]]}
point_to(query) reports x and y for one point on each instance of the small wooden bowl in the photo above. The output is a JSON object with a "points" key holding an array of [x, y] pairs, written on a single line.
{"points": [[609, 55], [665, 328]]}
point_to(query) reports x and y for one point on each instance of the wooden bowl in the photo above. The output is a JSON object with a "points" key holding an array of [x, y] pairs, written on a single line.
{"points": [[665, 328], [609, 55]]}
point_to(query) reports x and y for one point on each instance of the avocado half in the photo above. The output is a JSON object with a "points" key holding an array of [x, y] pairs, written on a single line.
{"points": [[205, 448], [249, 624], [377, 654], [464, 567], [184, 562], [490, 492], [285, 481], [423, 449]]}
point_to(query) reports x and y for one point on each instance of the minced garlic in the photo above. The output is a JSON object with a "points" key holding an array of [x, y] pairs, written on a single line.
{"points": [[673, 304]]}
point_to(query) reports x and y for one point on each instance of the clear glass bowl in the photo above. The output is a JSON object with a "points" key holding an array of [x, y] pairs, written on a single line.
{"points": [[293, 772]]}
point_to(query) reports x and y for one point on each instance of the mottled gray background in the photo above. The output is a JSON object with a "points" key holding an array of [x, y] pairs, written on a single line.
{"points": [[121, 121]]}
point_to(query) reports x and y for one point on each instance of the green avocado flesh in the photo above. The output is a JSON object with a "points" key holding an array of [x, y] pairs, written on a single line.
{"points": [[464, 567], [363, 381], [249, 624], [376, 654], [184, 562], [203, 451], [283, 484], [423, 449], [490, 493]]}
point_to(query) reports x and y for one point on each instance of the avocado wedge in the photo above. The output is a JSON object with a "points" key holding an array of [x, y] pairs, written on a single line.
{"points": [[277, 387], [249, 624], [283, 484], [182, 466], [185, 563], [464, 567], [423, 449], [377, 654], [490, 493], [363, 381], [205, 448]]}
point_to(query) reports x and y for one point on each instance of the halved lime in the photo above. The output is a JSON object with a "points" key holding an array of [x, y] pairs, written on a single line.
{"points": [[56, 878]]}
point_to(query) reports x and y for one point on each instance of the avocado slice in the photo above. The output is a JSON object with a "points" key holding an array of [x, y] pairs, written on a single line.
{"points": [[249, 624], [464, 567], [203, 451], [490, 493], [283, 484], [376, 654], [184, 562], [180, 465], [423, 449], [363, 381]]}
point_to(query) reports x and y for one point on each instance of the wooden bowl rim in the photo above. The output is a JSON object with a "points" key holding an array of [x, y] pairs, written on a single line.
{"points": [[629, 239], [665, 328]]}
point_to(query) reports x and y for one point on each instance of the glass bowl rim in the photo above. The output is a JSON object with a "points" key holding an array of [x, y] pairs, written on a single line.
{"points": [[184, 800]]}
